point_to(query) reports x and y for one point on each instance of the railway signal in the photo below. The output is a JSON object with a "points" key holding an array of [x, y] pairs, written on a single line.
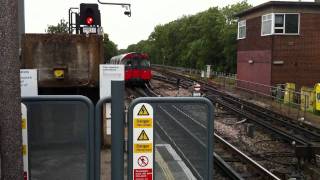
{"points": [[90, 15]]}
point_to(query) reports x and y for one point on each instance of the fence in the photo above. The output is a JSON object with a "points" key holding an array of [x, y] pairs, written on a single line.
{"points": [[278, 98]]}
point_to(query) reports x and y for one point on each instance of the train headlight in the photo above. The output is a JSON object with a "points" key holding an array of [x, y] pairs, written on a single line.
{"points": [[58, 73]]}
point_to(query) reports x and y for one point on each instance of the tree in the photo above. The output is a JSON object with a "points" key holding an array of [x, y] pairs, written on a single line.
{"points": [[110, 48], [62, 27], [208, 37]]}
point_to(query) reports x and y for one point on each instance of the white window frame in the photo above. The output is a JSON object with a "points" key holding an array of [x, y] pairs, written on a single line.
{"points": [[272, 23], [273, 28], [241, 24]]}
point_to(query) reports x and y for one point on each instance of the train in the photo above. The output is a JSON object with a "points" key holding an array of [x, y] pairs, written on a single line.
{"points": [[137, 67]]}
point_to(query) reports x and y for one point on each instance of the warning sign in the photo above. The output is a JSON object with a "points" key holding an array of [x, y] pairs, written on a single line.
{"points": [[143, 136], [24, 123], [142, 148], [143, 111], [143, 123], [24, 150], [142, 174], [143, 161], [142, 156]]}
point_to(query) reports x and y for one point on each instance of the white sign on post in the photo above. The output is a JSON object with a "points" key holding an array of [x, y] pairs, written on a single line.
{"points": [[108, 73], [143, 143], [28, 82], [24, 124]]}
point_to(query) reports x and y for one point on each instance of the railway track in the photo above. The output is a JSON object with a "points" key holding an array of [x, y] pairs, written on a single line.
{"points": [[188, 137], [306, 138]]}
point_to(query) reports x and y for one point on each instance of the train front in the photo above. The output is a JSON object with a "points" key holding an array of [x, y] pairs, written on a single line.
{"points": [[137, 68]]}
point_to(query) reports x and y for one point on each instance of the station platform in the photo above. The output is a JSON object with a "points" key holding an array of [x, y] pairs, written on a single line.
{"points": [[168, 164]]}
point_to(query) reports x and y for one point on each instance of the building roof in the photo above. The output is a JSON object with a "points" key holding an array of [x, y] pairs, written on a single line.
{"points": [[288, 4]]}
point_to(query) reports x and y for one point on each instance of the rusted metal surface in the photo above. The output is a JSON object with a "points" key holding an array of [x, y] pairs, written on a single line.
{"points": [[79, 56]]}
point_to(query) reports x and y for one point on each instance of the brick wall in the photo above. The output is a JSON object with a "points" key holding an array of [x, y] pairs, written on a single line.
{"points": [[257, 49], [301, 54]]}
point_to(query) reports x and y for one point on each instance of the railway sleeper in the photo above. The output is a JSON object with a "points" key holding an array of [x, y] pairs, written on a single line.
{"points": [[307, 153]]}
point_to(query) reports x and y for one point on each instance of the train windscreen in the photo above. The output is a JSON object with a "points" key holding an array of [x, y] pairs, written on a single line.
{"points": [[137, 62]]}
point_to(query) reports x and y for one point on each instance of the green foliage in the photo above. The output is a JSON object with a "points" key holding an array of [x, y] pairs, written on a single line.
{"points": [[62, 27], [110, 48], [193, 41]]}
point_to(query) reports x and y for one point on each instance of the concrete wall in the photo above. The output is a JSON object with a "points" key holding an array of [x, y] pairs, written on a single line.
{"points": [[79, 55]]}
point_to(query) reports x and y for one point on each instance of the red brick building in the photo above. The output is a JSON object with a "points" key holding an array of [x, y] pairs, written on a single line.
{"points": [[279, 42]]}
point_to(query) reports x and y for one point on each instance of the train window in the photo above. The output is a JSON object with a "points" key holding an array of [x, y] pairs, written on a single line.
{"points": [[135, 63], [318, 96], [128, 63], [144, 63]]}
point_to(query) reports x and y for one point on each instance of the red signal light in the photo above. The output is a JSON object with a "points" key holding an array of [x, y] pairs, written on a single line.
{"points": [[89, 20]]}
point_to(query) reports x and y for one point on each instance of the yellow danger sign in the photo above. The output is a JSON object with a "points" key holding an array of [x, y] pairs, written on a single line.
{"points": [[142, 123], [142, 148], [24, 123], [24, 150], [143, 136], [143, 111]]}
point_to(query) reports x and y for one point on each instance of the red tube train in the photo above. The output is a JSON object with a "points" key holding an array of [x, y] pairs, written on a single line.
{"points": [[137, 66]]}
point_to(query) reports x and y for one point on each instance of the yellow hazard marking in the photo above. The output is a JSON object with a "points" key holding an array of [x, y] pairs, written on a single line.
{"points": [[143, 136], [24, 123], [142, 123], [59, 73], [164, 166], [24, 149], [143, 111], [142, 148]]}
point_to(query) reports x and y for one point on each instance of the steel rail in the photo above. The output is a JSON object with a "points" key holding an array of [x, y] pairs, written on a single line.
{"points": [[286, 135], [232, 148], [219, 160]]}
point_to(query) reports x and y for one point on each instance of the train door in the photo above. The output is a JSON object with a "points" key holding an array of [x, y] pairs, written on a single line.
{"points": [[135, 68], [128, 69], [145, 69]]}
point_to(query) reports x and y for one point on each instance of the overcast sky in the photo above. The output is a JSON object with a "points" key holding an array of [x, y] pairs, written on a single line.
{"points": [[146, 14]]}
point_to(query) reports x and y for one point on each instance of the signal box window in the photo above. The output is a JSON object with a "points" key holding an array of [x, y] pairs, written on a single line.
{"points": [[280, 23], [242, 29], [292, 23], [266, 27]]}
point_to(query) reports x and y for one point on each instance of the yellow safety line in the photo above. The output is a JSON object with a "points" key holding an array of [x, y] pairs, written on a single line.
{"points": [[163, 165]]}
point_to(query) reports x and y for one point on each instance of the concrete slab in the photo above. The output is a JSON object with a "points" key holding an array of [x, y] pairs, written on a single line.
{"points": [[170, 164]]}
